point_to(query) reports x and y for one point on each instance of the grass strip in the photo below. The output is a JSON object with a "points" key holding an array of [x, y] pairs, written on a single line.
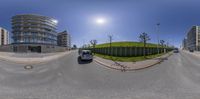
{"points": [[129, 59]]}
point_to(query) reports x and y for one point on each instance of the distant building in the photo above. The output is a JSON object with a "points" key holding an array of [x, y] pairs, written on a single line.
{"points": [[4, 36], [193, 38], [64, 39], [184, 44]]}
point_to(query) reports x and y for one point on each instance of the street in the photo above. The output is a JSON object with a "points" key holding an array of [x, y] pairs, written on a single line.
{"points": [[178, 77]]}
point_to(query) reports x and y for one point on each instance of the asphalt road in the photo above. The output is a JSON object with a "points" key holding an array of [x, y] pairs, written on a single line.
{"points": [[178, 77]]}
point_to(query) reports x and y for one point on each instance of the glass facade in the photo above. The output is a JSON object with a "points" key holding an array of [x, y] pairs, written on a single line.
{"points": [[34, 29]]}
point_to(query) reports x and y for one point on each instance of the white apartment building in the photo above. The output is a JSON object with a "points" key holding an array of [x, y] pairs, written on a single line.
{"points": [[4, 36]]}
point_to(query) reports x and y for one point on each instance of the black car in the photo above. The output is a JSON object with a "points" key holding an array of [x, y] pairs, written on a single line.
{"points": [[176, 51]]}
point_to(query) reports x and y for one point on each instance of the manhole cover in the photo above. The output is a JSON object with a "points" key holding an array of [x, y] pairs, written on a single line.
{"points": [[28, 67]]}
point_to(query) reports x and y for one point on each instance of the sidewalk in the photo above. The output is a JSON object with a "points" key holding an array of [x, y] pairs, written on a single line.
{"points": [[195, 53], [128, 66], [31, 58]]}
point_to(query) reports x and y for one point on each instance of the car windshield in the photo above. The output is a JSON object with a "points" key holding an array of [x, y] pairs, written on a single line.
{"points": [[86, 53], [99, 49]]}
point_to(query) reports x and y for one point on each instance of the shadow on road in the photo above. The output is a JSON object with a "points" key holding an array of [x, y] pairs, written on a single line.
{"points": [[83, 61], [165, 58]]}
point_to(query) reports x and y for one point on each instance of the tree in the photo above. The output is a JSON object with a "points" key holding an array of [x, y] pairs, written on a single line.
{"points": [[74, 47], [162, 42], [84, 46], [110, 41], [88, 46], [144, 37], [93, 43]]}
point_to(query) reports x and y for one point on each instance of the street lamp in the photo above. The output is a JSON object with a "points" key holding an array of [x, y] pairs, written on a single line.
{"points": [[158, 24], [110, 41]]}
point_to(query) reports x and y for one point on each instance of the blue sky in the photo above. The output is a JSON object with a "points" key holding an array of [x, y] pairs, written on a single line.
{"points": [[125, 19]]}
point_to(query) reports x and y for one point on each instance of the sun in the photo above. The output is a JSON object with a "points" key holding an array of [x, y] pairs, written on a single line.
{"points": [[100, 21], [55, 21]]}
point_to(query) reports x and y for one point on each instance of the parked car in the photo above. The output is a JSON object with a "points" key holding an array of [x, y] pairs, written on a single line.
{"points": [[176, 50], [86, 55]]}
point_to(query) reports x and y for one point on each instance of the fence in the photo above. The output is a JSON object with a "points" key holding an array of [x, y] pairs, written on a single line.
{"points": [[128, 51]]}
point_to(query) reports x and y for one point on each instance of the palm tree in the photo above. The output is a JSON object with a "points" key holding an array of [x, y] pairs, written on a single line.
{"points": [[144, 37]]}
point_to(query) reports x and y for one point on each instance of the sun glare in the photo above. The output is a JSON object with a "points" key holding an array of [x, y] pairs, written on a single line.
{"points": [[100, 20]]}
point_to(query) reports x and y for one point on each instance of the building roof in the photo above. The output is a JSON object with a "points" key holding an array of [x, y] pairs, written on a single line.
{"points": [[64, 32], [3, 28]]}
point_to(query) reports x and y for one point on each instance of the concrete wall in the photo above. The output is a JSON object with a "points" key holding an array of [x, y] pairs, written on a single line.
{"points": [[24, 48], [51, 48], [129, 51], [6, 48]]}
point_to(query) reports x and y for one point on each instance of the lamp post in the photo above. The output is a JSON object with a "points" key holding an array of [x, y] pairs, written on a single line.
{"points": [[158, 24], [110, 41]]}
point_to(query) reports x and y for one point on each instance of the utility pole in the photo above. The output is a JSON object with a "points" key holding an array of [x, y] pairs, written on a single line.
{"points": [[158, 24]]}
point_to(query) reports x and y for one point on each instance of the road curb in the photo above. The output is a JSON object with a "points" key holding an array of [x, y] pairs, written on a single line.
{"points": [[106, 65], [111, 67], [161, 60]]}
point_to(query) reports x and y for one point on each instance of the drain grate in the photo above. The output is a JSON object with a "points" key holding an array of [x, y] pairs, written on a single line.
{"points": [[28, 67]]}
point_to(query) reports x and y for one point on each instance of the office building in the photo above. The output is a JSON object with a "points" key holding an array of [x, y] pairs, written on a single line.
{"points": [[4, 36], [64, 39]]}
